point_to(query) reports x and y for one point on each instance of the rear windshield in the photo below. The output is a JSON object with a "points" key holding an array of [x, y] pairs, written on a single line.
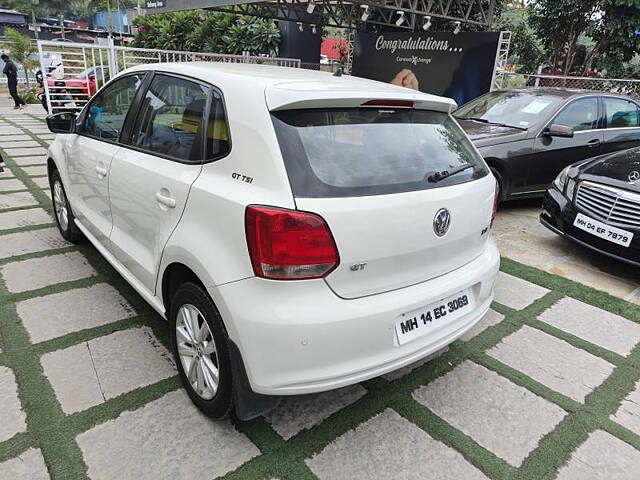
{"points": [[356, 152]]}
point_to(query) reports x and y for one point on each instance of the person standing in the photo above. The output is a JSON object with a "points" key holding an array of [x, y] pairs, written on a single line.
{"points": [[11, 71]]}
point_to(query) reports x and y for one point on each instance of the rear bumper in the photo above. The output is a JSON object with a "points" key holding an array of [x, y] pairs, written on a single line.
{"points": [[299, 337], [558, 215]]}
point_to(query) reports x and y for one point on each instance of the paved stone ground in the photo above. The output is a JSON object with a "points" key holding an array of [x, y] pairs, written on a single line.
{"points": [[546, 386], [521, 237]]}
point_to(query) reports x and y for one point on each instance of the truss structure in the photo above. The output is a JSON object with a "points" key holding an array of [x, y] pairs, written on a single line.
{"points": [[353, 14]]}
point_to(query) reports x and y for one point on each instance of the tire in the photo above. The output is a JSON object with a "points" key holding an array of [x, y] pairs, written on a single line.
{"points": [[194, 356], [65, 219]]}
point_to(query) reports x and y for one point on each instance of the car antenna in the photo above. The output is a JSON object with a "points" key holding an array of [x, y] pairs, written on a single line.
{"points": [[338, 72]]}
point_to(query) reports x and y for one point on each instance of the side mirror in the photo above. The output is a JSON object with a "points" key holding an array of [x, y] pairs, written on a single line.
{"points": [[557, 130], [63, 122]]}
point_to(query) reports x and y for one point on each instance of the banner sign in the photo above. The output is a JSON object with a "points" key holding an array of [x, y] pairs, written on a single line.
{"points": [[456, 66]]}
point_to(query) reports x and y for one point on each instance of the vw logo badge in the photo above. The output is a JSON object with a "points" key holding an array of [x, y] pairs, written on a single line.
{"points": [[441, 222], [634, 176]]}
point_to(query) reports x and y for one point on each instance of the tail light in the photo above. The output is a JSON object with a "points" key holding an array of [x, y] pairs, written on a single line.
{"points": [[289, 245], [496, 196]]}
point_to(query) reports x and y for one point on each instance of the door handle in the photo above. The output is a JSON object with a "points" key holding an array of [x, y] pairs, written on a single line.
{"points": [[594, 143], [101, 171], [165, 200]]}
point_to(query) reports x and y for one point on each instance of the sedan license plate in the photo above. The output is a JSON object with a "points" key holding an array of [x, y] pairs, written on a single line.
{"points": [[418, 322], [602, 230]]}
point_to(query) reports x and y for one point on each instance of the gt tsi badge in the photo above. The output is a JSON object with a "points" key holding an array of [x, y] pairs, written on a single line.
{"points": [[441, 222]]}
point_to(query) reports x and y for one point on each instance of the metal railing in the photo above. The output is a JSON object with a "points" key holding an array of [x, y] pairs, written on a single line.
{"points": [[73, 72], [629, 87]]}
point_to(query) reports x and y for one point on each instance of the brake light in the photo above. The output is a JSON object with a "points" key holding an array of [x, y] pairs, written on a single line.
{"points": [[388, 103], [495, 203], [288, 244]]}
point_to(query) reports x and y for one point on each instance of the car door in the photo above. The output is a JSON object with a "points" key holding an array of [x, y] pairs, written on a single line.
{"points": [[622, 124], [152, 176], [91, 151], [552, 153]]}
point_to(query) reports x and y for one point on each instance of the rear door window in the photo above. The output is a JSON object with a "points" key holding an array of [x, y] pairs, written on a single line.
{"points": [[171, 119], [355, 152], [621, 113]]}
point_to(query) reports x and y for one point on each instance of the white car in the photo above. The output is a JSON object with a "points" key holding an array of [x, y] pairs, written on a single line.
{"points": [[300, 231]]}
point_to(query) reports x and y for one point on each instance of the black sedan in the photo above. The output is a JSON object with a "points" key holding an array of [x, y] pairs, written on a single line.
{"points": [[597, 203], [527, 136]]}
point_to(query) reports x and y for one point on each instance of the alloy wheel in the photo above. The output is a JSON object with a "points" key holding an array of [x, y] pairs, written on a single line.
{"points": [[60, 204], [197, 351]]}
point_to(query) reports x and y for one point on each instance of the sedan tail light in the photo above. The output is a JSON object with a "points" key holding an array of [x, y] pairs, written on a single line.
{"points": [[288, 244]]}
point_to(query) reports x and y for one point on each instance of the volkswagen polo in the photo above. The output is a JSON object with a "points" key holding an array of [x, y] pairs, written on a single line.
{"points": [[300, 231]]}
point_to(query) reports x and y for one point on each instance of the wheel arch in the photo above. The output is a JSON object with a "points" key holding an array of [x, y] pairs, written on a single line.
{"points": [[174, 275]]}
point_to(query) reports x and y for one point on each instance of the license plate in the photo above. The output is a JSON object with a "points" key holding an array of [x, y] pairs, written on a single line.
{"points": [[418, 322], [602, 230]]}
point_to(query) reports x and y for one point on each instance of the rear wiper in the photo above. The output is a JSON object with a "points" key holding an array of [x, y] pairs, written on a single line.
{"points": [[484, 120], [437, 176]]}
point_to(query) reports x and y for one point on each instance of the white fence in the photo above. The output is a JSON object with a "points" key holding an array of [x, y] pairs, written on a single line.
{"points": [[73, 72], [629, 87]]}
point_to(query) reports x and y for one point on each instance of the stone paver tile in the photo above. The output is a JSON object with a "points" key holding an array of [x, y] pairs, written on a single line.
{"points": [[23, 152], [14, 200], [87, 374], [628, 415], [401, 372], [41, 272], [6, 174], [12, 418], [46, 136], [29, 465], [388, 446], [35, 171], [33, 160], [552, 362], [593, 324], [19, 144], [14, 138], [22, 243], [24, 218], [517, 293], [71, 373], [490, 319], [154, 441], [42, 182], [499, 415], [50, 316], [144, 359], [295, 414], [602, 457], [11, 184], [10, 131]]}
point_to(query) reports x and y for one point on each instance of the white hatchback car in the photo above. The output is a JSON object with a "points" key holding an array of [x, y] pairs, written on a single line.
{"points": [[300, 231]]}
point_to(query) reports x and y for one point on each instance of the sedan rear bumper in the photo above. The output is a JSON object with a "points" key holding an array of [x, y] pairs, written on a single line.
{"points": [[299, 337]]}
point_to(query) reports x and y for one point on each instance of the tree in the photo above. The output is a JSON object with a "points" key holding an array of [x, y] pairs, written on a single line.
{"points": [[22, 50], [558, 25], [525, 46], [613, 30]]}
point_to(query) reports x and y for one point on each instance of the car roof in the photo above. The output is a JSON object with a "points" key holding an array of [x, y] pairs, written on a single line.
{"points": [[286, 87], [561, 92]]}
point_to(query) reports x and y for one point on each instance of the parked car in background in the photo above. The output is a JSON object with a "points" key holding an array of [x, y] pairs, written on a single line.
{"points": [[527, 136], [80, 85], [300, 231], [597, 204]]}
